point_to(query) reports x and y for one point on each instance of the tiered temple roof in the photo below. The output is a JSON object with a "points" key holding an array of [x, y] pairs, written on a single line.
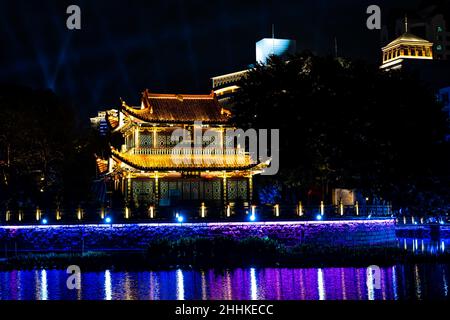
{"points": [[185, 162], [150, 166], [177, 108]]}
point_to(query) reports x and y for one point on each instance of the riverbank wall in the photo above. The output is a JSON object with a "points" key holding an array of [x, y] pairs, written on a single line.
{"points": [[48, 238]]}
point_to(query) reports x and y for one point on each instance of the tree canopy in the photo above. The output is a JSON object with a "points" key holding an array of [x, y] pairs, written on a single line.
{"points": [[45, 158], [347, 124]]}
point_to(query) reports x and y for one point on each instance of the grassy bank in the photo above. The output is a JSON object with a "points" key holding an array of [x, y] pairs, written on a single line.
{"points": [[221, 252]]}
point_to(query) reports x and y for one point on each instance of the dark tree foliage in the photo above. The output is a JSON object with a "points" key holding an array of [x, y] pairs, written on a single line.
{"points": [[347, 124], [45, 158]]}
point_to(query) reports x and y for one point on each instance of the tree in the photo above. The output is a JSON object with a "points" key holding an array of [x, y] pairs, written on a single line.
{"points": [[43, 152], [347, 124]]}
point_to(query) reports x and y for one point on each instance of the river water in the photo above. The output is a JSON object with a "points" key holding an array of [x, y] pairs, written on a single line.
{"points": [[397, 282]]}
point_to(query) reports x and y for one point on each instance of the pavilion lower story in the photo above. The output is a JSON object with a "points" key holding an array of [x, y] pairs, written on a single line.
{"points": [[187, 192]]}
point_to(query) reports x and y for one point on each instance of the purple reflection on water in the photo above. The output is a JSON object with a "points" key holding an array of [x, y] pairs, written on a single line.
{"points": [[397, 282]]}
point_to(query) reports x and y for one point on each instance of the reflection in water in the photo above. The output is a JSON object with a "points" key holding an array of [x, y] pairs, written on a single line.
{"points": [[180, 285], [254, 293], [344, 295], [43, 285], [428, 281], [19, 285], [320, 284], [417, 282], [154, 287], [370, 284], [15, 285], [203, 285], [358, 286], [426, 245], [129, 288], [228, 290], [394, 283], [278, 286], [397, 282], [444, 280], [79, 291], [302, 285], [383, 287], [108, 290]]}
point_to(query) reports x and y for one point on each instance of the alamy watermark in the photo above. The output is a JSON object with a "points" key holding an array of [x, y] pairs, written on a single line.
{"points": [[226, 147], [374, 20], [373, 275], [73, 22], [74, 280]]}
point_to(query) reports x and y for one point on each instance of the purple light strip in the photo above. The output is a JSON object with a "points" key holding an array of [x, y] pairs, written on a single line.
{"points": [[206, 224]]}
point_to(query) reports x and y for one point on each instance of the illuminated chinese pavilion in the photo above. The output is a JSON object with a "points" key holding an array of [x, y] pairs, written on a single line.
{"points": [[149, 174]]}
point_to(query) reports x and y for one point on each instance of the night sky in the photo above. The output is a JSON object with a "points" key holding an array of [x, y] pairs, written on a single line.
{"points": [[166, 46]]}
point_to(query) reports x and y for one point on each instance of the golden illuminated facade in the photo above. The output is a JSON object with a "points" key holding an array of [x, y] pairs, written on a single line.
{"points": [[148, 171], [225, 86], [405, 47]]}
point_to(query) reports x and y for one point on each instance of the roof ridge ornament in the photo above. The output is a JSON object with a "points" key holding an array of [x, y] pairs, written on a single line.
{"points": [[406, 23], [176, 108], [145, 103], [123, 103]]}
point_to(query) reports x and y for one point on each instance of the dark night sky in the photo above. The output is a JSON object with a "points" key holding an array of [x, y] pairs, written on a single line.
{"points": [[166, 46]]}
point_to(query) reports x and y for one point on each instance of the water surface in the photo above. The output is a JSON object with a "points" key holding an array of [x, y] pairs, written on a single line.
{"points": [[397, 282]]}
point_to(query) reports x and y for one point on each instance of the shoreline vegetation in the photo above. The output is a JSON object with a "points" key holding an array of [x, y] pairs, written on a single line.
{"points": [[221, 253]]}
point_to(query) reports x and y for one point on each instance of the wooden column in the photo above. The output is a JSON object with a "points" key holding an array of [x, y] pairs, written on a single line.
{"points": [[222, 137], [156, 189], [136, 138], [224, 188], [128, 190], [155, 140]]}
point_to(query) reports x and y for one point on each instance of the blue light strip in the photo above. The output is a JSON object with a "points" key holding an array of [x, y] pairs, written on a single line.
{"points": [[189, 224]]}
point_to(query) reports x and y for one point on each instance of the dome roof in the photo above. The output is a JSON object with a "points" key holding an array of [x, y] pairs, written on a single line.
{"points": [[408, 38]]}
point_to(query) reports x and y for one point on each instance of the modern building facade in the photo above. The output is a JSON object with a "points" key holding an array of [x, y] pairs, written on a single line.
{"points": [[224, 86], [99, 122], [267, 47]]}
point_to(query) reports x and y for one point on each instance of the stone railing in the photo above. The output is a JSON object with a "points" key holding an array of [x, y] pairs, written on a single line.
{"points": [[187, 151]]}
